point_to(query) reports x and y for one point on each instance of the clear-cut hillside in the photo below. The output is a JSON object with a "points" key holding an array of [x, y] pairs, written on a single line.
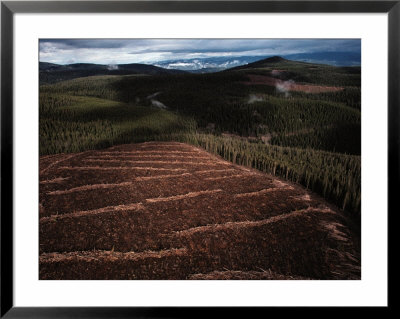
{"points": [[173, 211]]}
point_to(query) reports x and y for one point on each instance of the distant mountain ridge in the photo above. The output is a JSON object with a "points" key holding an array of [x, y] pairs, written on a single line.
{"points": [[51, 73], [204, 65], [330, 58], [214, 64]]}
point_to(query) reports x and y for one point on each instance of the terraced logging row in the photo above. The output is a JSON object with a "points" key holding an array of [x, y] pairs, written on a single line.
{"points": [[182, 218]]}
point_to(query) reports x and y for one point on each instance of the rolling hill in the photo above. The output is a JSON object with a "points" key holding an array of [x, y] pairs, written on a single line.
{"points": [[308, 132], [304, 72], [52, 73]]}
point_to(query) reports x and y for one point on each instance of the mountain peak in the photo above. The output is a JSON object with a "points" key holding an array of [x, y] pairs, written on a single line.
{"points": [[274, 59]]}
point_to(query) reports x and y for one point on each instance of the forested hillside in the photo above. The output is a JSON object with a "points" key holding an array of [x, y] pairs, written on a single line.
{"points": [[292, 119]]}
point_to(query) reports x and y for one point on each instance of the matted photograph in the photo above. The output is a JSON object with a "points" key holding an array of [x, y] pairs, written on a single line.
{"points": [[199, 159]]}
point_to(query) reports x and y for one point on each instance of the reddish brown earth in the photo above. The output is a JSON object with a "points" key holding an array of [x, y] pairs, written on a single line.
{"points": [[290, 86], [173, 211]]}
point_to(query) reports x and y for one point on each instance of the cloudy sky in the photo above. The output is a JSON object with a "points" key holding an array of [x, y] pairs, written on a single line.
{"points": [[119, 51]]}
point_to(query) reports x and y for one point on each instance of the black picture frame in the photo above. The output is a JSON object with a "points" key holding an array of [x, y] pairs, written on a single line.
{"points": [[9, 8]]}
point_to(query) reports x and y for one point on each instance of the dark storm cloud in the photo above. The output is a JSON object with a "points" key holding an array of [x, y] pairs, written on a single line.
{"points": [[83, 43]]}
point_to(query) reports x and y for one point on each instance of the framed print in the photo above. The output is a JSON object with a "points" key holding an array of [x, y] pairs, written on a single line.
{"points": [[163, 155]]}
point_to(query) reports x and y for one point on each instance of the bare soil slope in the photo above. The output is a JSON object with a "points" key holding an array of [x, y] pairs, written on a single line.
{"points": [[173, 211], [291, 86]]}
